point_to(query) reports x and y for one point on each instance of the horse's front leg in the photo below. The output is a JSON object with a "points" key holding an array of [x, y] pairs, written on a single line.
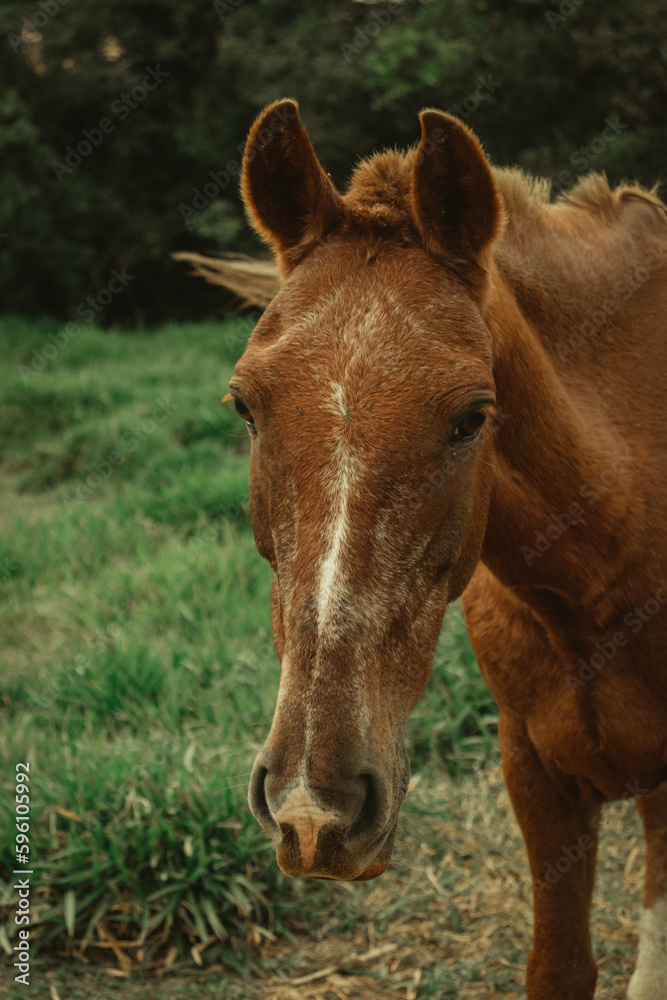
{"points": [[560, 832], [649, 981]]}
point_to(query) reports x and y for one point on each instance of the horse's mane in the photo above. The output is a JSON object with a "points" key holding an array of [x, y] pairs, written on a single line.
{"points": [[379, 193], [378, 201]]}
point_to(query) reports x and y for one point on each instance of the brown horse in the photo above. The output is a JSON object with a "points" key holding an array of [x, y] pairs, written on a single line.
{"points": [[457, 390]]}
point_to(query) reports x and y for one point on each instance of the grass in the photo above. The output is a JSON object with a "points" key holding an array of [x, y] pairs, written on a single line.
{"points": [[139, 676], [451, 920]]}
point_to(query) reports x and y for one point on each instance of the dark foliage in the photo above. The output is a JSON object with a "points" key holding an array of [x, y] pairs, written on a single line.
{"points": [[539, 82]]}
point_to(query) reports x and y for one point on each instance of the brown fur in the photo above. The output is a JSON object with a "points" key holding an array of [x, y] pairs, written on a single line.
{"points": [[438, 289]]}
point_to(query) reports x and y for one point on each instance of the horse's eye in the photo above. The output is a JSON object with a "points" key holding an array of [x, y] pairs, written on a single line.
{"points": [[470, 426], [245, 413]]}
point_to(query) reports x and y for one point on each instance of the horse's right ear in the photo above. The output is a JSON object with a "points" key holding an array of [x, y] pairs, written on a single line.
{"points": [[457, 207], [289, 199]]}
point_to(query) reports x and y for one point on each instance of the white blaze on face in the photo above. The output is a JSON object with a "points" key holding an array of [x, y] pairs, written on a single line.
{"points": [[649, 980], [333, 585], [364, 359], [340, 478]]}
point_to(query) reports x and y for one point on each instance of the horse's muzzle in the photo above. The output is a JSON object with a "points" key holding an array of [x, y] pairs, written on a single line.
{"points": [[341, 828]]}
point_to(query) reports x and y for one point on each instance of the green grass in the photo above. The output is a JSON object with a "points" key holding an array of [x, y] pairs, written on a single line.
{"points": [[139, 676]]}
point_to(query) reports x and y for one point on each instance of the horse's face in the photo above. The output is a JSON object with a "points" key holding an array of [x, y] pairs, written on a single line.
{"points": [[366, 387]]}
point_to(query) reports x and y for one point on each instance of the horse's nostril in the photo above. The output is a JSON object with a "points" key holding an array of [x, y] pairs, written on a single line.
{"points": [[367, 819], [259, 805]]}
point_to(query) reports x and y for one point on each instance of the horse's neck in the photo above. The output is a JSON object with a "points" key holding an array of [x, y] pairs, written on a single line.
{"points": [[552, 454], [581, 279]]}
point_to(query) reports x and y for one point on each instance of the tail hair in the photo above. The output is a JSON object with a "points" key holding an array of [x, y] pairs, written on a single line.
{"points": [[254, 281]]}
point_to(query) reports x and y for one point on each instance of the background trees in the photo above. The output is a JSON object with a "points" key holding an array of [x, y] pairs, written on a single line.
{"points": [[536, 80]]}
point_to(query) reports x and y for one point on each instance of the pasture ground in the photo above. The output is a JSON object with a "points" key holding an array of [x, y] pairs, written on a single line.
{"points": [[449, 920], [138, 679]]}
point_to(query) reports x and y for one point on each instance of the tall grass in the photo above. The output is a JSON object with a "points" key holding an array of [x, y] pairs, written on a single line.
{"points": [[138, 674]]}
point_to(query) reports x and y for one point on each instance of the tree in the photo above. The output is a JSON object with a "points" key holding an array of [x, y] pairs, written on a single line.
{"points": [[121, 123]]}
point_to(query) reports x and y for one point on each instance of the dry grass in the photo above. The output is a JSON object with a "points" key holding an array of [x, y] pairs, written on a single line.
{"points": [[451, 919], [457, 913]]}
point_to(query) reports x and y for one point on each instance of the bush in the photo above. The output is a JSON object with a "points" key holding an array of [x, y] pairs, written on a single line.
{"points": [[97, 183]]}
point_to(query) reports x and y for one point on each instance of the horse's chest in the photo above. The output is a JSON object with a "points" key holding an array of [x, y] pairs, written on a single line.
{"points": [[604, 722], [613, 736]]}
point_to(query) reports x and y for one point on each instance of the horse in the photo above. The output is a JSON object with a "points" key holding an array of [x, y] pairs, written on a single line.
{"points": [[454, 393]]}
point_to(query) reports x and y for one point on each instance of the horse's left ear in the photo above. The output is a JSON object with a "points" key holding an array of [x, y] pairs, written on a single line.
{"points": [[289, 199], [457, 208]]}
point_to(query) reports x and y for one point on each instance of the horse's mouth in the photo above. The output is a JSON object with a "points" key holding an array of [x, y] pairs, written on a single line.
{"points": [[335, 862]]}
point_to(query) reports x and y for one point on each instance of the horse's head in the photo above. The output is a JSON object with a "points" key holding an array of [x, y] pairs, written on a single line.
{"points": [[365, 387]]}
